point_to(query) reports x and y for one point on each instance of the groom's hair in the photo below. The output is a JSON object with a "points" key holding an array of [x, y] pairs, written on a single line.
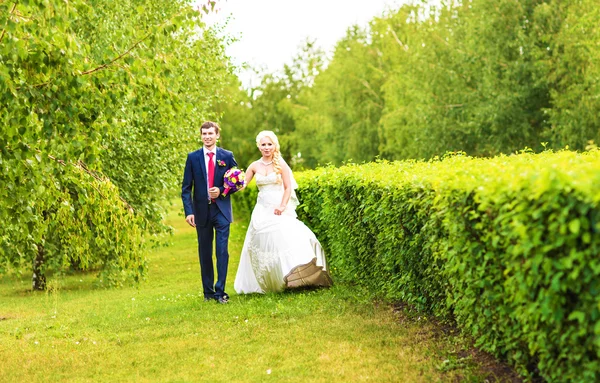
{"points": [[210, 124]]}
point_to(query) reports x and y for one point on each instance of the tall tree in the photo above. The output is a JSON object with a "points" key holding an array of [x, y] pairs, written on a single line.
{"points": [[88, 87], [271, 106], [237, 123], [464, 79], [481, 76], [569, 52]]}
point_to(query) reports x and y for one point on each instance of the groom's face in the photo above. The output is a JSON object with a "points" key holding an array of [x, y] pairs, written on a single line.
{"points": [[209, 137]]}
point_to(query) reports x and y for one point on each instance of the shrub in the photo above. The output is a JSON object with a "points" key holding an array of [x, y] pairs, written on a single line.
{"points": [[507, 247]]}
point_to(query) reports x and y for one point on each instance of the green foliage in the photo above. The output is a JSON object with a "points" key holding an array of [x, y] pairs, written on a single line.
{"points": [[167, 87], [460, 80], [75, 332], [238, 131], [341, 111], [506, 246], [270, 106], [572, 54], [83, 223], [480, 76], [121, 87]]}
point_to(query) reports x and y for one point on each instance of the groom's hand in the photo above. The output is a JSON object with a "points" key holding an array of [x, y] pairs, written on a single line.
{"points": [[190, 220], [214, 192]]}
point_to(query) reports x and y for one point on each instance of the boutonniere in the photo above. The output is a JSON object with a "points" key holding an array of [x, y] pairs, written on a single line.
{"points": [[221, 163]]}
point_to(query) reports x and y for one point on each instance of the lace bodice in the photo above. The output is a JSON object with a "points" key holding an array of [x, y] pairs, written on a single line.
{"points": [[268, 181]]}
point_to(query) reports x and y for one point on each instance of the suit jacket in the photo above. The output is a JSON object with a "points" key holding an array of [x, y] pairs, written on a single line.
{"points": [[194, 190]]}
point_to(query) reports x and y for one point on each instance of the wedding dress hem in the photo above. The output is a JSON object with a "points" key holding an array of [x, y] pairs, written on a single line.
{"points": [[308, 275], [279, 251]]}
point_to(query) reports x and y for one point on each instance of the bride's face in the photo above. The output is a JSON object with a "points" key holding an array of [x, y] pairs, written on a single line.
{"points": [[266, 147]]}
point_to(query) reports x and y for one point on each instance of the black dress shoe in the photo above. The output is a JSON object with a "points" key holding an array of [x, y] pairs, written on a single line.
{"points": [[223, 300], [208, 299]]}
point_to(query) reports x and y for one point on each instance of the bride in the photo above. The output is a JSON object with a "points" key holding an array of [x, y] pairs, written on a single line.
{"points": [[279, 250]]}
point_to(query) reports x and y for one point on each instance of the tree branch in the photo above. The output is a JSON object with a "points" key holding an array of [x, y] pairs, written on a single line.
{"points": [[103, 66], [83, 167], [10, 13], [404, 46]]}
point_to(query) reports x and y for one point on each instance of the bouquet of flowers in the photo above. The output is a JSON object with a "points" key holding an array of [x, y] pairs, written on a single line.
{"points": [[233, 180]]}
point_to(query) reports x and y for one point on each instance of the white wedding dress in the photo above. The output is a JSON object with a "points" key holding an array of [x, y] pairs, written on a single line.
{"points": [[279, 250]]}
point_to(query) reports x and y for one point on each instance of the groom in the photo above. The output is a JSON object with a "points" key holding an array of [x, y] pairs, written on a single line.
{"points": [[207, 209]]}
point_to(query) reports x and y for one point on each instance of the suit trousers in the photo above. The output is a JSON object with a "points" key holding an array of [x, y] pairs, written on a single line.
{"points": [[216, 228]]}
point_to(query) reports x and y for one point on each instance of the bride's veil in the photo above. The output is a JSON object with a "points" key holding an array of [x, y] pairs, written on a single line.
{"points": [[294, 202]]}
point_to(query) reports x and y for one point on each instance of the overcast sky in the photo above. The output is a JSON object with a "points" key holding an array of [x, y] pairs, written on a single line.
{"points": [[270, 32]]}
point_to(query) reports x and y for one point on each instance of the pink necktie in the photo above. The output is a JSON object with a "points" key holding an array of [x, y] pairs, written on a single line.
{"points": [[211, 170]]}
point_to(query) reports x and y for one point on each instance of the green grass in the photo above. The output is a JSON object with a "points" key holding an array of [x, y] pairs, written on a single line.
{"points": [[163, 331]]}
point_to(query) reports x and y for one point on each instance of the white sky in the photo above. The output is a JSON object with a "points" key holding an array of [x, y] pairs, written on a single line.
{"points": [[270, 32]]}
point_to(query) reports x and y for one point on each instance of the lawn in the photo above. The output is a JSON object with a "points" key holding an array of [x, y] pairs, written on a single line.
{"points": [[163, 331]]}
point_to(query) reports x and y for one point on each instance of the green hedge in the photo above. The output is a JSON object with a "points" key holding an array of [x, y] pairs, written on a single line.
{"points": [[507, 247]]}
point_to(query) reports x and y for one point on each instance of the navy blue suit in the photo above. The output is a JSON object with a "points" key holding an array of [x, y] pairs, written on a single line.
{"points": [[211, 218]]}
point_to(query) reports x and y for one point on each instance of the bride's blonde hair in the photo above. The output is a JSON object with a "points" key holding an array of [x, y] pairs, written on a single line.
{"points": [[276, 154]]}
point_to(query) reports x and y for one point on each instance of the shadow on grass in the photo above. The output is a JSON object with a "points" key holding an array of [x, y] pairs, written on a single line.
{"points": [[464, 356], [70, 281]]}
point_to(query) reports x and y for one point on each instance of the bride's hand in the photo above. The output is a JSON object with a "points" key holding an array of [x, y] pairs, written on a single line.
{"points": [[279, 210]]}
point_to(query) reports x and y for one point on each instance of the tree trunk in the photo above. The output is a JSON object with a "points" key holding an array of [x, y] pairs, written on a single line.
{"points": [[38, 278]]}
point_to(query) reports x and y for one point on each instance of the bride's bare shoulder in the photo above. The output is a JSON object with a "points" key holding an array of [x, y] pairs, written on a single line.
{"points": [[253, 165]]}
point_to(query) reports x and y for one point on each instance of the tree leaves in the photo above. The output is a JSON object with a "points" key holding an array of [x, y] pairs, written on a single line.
{"points": [[119, 87], [484, 77], [507, 247]]}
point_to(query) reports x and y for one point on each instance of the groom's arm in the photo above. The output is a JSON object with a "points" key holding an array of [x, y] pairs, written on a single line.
{"points": [[186, 187]]}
